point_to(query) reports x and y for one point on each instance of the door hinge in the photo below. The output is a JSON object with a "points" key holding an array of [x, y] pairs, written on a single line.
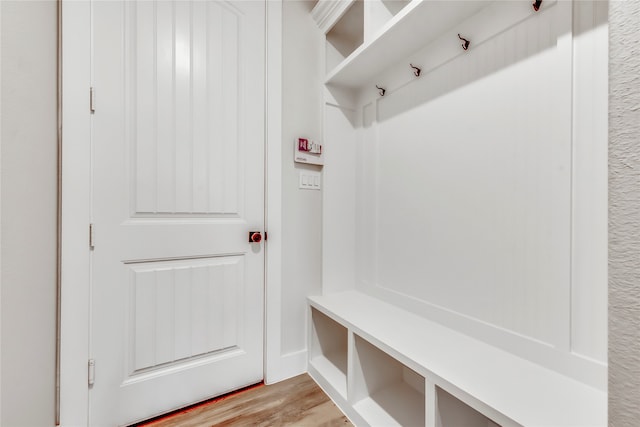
{"points": [[91, 371], [92, 237], [92, 100]]}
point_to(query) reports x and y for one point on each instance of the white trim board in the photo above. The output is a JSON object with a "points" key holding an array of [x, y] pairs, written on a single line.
{"points": [[76, 215], [0, 221], [74, 265]]}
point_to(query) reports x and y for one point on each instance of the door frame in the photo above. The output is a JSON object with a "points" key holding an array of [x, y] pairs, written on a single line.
{"points": [[75, 20]]}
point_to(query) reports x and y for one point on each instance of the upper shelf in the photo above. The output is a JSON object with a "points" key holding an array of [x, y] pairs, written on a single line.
{"points": [[420, 22]]}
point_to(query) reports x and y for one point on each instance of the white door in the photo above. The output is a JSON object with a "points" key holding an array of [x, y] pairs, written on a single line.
{"points": [[178, 183]]}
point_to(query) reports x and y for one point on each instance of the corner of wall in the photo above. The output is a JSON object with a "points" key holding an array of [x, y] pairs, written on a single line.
{"points": [[28, 67], [280, 364], [302, 67]]}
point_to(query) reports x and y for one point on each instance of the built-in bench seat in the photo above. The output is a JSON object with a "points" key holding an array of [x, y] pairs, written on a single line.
{"points": [[385, 366]]}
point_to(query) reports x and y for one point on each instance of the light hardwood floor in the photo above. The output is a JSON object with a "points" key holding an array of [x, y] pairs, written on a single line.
{"points": [[294, 402]]}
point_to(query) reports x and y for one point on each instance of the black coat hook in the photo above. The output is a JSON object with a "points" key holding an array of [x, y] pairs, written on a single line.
{"points": [[465, 42], [381, 90], [416, 70], [536, 5]]}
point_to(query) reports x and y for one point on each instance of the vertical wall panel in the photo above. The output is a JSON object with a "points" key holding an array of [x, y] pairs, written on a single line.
{"points": [[366, 196], [589, 281], [473, 200]]}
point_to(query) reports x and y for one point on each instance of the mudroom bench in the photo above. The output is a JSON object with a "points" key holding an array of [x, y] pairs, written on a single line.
{"points": [[385, 366]]}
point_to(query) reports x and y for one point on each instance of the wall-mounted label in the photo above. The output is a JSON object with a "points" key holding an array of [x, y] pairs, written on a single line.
{"points": [[308, 151]]}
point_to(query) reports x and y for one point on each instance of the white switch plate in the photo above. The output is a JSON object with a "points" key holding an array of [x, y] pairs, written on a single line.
{"points": [[309, 180]]}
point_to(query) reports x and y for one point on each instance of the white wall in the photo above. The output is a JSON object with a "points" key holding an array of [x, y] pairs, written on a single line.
{"points": [[302, 59], [481, 186], [624, 215], [29, 200]]}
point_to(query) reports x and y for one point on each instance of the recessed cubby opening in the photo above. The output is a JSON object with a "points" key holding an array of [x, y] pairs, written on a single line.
{"points": [[378, 12], [345, 36], [385, 391], [452, 412], [329, 350]]}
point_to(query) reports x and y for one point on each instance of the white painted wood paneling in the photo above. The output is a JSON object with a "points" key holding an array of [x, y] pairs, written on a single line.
{"points": [[366, 197], [590, 193], [153, 363], [338, 204], [76, 213], [75, 347], [474, 174], [478, 198], [480, 203], [183, 88], [183, 309]]}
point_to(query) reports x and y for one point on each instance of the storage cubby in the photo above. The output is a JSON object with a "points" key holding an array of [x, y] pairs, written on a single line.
{"points": [[385, 392], [345, 36], [377, 13], [451, 412], [328, 352]]}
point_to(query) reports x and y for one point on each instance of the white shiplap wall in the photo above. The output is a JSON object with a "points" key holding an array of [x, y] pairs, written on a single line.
{"points": [[480, 187]]}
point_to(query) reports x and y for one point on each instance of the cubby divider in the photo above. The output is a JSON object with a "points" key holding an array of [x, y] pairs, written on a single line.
{"points": [[329, 350]]}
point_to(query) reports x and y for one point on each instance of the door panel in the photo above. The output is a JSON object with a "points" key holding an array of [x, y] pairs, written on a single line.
{"points": [[183, 309], [184, 91], [178, 181]]}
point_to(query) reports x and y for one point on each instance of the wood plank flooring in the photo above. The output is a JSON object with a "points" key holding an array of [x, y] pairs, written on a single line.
{"points": [[294, 402]]}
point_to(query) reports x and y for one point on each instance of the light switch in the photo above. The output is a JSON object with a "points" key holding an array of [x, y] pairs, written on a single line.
{"points": [[309, 180]]}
